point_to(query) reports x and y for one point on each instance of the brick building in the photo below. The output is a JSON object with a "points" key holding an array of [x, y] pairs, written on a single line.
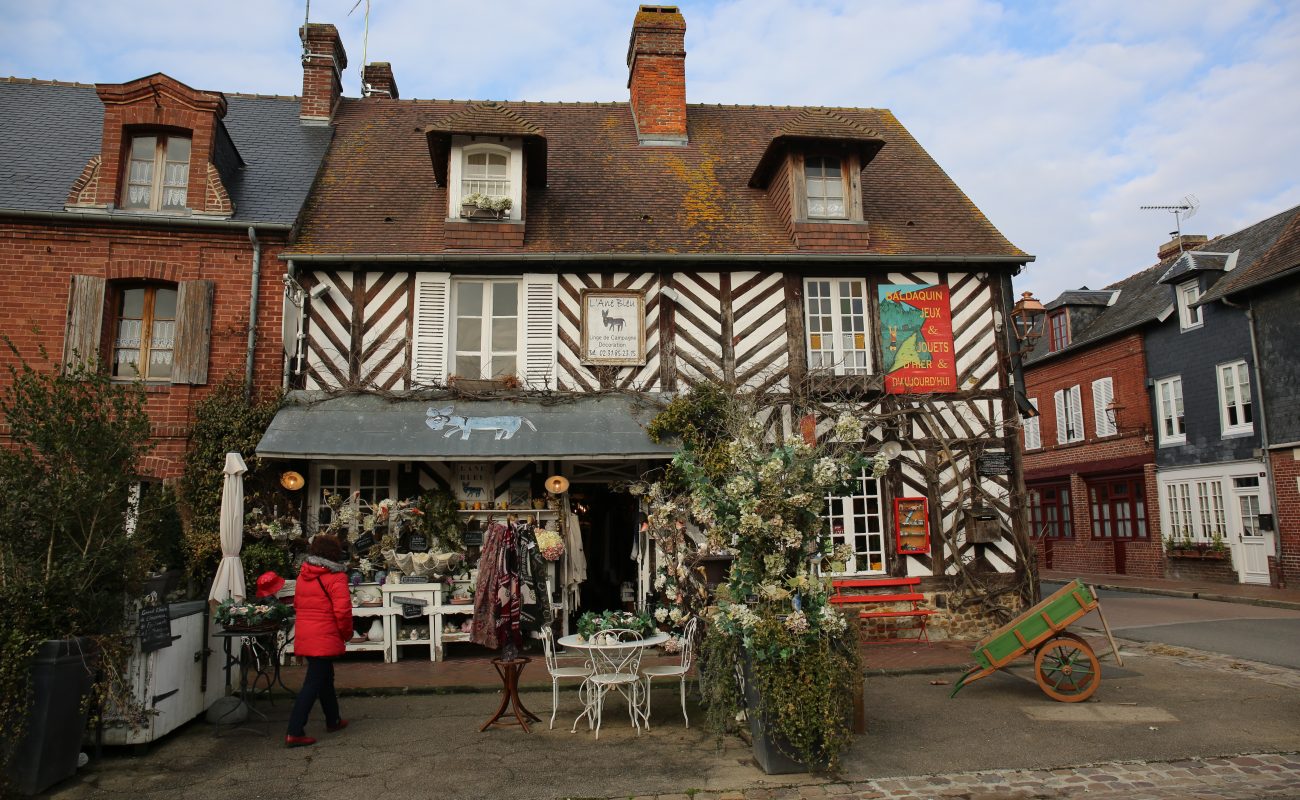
{"points": [[140, 225]]}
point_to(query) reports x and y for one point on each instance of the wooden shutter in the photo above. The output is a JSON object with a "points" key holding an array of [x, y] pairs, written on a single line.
{"points": [[1033, 434], [1103, 392], [193, 332], [429, 329], [539, 328], [1062, 424], [85, 320], [1076, 413]]}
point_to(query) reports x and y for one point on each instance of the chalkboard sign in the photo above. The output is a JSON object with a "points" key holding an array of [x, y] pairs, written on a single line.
{"points": [[410, 611], [994, 464], [413, 579], [474, 538], [417, 543], [155, 628], [409, 601], [364, 542]]}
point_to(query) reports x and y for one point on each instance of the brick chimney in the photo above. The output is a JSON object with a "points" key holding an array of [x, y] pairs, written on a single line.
{"points": [[656, 60], [323, 62], [1174, 246], [377, 80]]}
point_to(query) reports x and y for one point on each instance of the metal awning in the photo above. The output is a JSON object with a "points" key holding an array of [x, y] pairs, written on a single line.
{"points": [[370, 427]]}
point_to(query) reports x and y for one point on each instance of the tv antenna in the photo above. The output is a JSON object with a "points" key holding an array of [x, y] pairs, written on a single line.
{"points": [[365, 43], [1182, 212]]}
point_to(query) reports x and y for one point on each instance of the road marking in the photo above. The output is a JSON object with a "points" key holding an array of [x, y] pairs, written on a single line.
{"points": [[1096, 712]]}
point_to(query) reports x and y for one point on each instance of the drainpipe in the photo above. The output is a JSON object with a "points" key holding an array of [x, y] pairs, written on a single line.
{"points": [[252, 312], [1258, 398]]}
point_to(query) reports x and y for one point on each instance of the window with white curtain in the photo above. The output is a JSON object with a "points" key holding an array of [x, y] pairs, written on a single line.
{"points": [[824, 183], [485, 171], [144, 325], [837, 325], [485, 336], [157, 174], [1235, 413], [1169, 409]]}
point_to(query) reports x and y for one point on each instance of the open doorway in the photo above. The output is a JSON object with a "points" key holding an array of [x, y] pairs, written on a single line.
{"points": [[609, 535]]}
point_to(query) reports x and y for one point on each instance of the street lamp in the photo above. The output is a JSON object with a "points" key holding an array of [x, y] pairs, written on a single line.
{"points": [[1027, 320]]}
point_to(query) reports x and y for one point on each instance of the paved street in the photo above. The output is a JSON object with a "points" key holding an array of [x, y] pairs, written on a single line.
{"points": [[1000, 737]]}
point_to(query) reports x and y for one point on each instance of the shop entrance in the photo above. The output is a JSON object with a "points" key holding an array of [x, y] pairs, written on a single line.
{"points": [[609, 537]]}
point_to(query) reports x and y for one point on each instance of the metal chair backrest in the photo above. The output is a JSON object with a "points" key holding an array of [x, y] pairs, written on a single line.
{"points": [[610, 658], [689, 634], [548, 648]]}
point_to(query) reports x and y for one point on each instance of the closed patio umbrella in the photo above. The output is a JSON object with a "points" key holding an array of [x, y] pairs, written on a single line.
{"points": [[229, 581]]}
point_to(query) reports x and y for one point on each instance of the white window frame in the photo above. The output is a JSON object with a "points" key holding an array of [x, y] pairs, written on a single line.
{"points": [[1234, 378], [511, 147], [158, 186], [316, 500], [485, 350], [1173, 387], [1033, 432], [1069, 415], [837, 352], [864, 531], [1189, 315], [1103, 398]]}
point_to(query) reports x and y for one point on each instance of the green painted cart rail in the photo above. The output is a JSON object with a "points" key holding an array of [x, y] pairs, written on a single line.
{"points": [[1065, 666]]}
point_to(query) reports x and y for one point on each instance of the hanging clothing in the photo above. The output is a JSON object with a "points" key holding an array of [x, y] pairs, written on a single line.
{"points": [[507, 596], [575, 558], [490, 565], [532, 574]]}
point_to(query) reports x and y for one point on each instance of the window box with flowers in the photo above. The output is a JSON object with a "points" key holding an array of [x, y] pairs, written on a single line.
{"points": [[1213, 550], [484, 207]]}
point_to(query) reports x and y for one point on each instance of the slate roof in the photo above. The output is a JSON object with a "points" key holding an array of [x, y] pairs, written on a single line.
{"points": [[1141, 299], [48, 131], [1270, 249], [1081, 297], [607, 194], [1192, 261]]}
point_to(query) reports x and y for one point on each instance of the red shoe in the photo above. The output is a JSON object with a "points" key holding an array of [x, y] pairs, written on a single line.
{"points": [[338, 726], [298, 741]]}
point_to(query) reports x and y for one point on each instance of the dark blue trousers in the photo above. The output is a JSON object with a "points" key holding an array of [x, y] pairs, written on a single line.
{"points": [[318, 684]]}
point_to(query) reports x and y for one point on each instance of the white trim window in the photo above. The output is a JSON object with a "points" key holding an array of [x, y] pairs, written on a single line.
{"points": [[1169, 410], [1235, 413], [486, 171], [858, 520], [1189, 315], [368, 482], [1033, 434], [157, 174], [1178, 510], [1069, 415], [1103, 400], [1209, 497], [493, 168], [836, 311], [485, 328]]}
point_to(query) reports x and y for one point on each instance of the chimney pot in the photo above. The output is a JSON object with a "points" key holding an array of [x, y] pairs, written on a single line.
{"points": [[378, 81], [323, 62], [1188, 241], [656, 60]]}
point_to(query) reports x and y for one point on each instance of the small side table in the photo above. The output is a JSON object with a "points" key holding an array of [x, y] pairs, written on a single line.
{"points": [[509, 670]]}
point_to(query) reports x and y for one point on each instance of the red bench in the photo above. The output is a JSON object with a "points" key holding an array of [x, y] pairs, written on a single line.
{"points": [[864, 592]]}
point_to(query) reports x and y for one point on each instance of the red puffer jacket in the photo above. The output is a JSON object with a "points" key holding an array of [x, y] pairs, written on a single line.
{"points": [[323, 607]]}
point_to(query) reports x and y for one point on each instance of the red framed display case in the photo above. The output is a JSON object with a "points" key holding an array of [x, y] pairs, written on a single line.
{"points": [[911, 525]]}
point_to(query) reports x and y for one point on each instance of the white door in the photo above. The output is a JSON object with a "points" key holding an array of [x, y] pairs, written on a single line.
{"points": [[1253, 544]]}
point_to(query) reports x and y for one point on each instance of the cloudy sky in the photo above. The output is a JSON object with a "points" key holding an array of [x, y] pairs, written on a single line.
{"points": [[1058, 119]]}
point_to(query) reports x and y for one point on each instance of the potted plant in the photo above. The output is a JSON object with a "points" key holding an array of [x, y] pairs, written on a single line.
{"points": [[68, 561], [482, 206], [262, 613], [763, 500]]}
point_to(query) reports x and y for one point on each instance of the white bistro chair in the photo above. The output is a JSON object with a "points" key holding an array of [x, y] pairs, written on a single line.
{"points": [[674, 670], [615, 668], [558, 672]]}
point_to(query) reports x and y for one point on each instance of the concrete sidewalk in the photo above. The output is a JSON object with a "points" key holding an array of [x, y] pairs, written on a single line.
{"points": [[1202, 590]]}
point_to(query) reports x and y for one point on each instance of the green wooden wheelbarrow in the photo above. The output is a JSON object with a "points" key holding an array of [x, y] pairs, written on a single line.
{"points": [[1065, 666]]}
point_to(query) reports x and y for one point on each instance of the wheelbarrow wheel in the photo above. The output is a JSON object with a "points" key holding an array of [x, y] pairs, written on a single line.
{"points": [[1067, 669]]}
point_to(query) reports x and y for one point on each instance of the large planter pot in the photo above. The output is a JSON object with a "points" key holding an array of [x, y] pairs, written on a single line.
{"points": [[770, 750], [61, 680]]}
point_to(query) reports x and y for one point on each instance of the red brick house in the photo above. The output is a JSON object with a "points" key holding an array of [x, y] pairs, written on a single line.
{"points": [[1089, 458], [140, 224]]}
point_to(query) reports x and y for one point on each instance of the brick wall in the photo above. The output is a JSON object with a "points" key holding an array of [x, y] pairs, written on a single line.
{"points": [[40, 261], [478, 235], [656, 60], [1286, 510]]}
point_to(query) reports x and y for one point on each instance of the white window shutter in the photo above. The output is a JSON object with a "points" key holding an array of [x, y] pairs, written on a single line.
{"points": [[540, 330], [1103, 394], [1062, 424], [1076, 412], [429, 330], [1033, 434]]}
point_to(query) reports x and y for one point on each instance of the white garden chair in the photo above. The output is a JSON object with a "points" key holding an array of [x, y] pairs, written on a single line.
{"points": [[615, 668], [557, 672], [670, 670]]}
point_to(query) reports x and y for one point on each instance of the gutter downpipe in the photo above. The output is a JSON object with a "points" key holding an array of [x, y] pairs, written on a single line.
{"points": [[1263, 426], [252, 312], [1020, 508]]}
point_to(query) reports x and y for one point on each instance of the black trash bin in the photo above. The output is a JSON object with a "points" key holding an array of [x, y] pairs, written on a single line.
{"points": [[61, 680]]}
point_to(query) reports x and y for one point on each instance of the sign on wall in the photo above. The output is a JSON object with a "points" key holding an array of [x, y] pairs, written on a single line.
{"points": [[916, 338], [474, 483], [613, 327]]}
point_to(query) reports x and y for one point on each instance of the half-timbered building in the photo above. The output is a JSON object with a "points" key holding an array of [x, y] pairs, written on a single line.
{"points": [[450, 338]]}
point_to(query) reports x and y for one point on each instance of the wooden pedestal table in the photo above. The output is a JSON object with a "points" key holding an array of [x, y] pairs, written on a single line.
{"points": [[510, 670]]}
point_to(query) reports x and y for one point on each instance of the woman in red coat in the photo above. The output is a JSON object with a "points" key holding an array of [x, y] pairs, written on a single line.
{"points": [[323, 625]]}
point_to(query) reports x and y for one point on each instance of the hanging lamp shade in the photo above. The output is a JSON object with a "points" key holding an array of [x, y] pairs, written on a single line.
{"points": [[557, 484], [291, 480]]}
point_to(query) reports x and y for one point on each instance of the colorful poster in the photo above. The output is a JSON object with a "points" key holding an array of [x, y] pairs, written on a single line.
{"points": [[916, 338]]}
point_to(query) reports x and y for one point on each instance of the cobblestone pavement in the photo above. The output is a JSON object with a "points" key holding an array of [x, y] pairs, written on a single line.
{"points": [[1260, 776]]}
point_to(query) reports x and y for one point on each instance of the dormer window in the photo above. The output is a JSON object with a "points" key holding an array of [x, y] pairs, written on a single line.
{"points": [[486, 167], [486, 172], [824, 180], [1058, 327], [1189, 314], [157, 174]]}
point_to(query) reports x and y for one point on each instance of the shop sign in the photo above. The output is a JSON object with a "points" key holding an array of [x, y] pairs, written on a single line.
{"points": [[613, 327], [916, 338], [474, 483], [155, 628]]}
